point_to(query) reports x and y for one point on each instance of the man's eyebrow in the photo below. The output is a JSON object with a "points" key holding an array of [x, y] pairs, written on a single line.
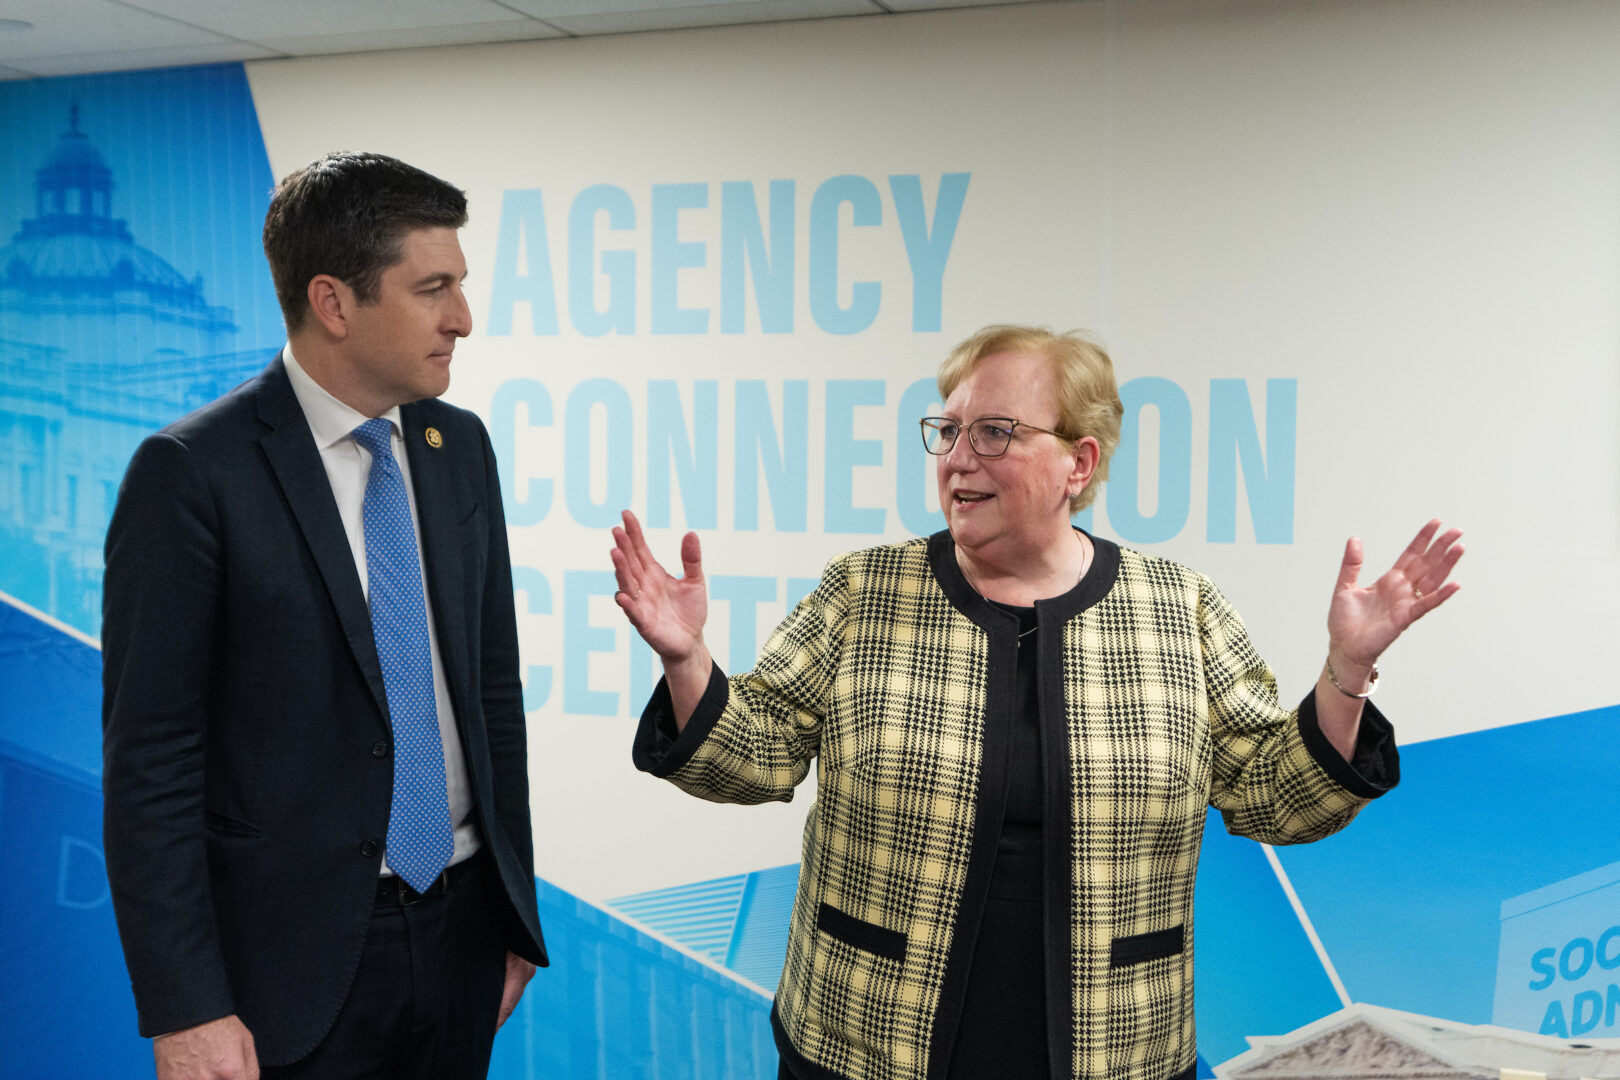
{"points": [[438, 279]]}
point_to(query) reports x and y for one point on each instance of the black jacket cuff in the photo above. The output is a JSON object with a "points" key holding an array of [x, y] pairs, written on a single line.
{"points": [[1373, 769], [660, 749]]}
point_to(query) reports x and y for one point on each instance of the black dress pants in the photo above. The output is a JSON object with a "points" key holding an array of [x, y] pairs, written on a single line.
{"points": [[425, 997]]}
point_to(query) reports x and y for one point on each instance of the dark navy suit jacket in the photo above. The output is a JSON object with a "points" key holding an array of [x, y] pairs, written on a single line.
{"points": [[248, 764]]}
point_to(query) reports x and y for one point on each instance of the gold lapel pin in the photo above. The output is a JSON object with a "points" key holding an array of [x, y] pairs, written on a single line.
{"points": [[434, 439]]}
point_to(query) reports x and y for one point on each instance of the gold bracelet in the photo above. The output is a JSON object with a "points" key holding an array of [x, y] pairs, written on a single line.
{"points": [[1334, 679]]}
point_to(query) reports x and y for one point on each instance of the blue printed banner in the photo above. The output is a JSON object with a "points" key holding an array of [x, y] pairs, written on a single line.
{"points": [[132, 290]]}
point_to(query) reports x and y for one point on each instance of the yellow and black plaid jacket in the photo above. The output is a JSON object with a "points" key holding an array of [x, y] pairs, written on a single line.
{"points": [[1153, 704]]}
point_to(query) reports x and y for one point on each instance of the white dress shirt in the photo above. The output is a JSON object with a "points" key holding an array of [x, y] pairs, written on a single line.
{"points": [[348, 466]]}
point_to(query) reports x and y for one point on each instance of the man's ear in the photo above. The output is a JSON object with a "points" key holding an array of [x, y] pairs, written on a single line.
{"points": [[331, 302]]}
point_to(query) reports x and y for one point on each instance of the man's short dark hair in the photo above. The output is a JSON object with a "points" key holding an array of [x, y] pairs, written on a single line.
{"points": [[346, 214]]}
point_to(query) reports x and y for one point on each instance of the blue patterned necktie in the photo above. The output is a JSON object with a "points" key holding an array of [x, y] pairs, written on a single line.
{"points": [[420, 841]]}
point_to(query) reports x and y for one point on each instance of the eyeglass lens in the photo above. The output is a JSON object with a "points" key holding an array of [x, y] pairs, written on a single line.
{"points": [[988, 436]]}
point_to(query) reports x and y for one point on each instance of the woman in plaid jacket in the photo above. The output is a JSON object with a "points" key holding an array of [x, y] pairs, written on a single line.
{"points": [[1016, 729]]}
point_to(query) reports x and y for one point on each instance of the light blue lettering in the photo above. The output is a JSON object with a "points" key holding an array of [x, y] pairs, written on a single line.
{"points": [[928, 249], [618, 265], [1586, 1010], [1553, 1023], [530, 504], [1606, 960], [695, 459], [1175, 462], [845, 452], [670, 254], [866, 206], [536, 592], [798, 588], [742, 240], [1575, 971], [580, 639], [582, 405], [81, 875], [522, 234], [1268, 479], [744, 594], [914, 469], [1541, 964], [784, 462]]}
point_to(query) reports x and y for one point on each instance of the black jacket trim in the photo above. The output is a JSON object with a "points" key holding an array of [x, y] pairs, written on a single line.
{"points": [[800, 1067], [1373, 769], [1093, 588], [1000, 693], [1057, 839], [870, 937], [1140, 948], [661, 750]]}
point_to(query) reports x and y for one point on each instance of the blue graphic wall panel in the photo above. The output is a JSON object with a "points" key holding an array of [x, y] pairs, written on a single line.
{"points": [[616, 1003], [1410, 899], [739, 921], [59, 956], [132, 290], [61, 969], [1257, 973]]}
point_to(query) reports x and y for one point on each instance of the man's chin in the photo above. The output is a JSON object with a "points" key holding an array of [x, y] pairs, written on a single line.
{"points": [[436, 387]]}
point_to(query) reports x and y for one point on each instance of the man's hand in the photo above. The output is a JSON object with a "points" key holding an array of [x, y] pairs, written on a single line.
{"points": [[518, 973], [218, 1050]]}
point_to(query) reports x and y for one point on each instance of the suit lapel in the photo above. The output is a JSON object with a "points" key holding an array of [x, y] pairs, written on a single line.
{"points": [[290, 449], [439, 510]]}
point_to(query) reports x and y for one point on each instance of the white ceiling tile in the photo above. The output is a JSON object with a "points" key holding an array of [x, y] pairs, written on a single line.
{"points": [[84, 36], [258, 20], [420, 37], [547, 9], [78, 27], [135, 59], [638, 16], [934, 5]]}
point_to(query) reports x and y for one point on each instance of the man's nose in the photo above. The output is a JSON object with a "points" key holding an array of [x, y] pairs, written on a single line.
{"points": [[458, 320]]}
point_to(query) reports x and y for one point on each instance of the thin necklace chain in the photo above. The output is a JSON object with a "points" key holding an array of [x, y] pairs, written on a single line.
{"points": [[1085, 564]]}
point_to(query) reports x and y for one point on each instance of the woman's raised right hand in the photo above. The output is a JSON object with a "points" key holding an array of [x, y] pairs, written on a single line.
{"points": [[668, 612]]}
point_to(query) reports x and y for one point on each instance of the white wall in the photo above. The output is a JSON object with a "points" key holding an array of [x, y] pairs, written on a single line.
{"points": [[1409, 208]]}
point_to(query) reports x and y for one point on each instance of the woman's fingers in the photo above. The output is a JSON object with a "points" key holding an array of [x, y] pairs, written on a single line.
{"points": [[1350, 567], [691, 557]]}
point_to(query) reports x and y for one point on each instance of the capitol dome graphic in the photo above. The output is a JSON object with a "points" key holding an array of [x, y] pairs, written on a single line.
{"points": [[102, 341], [73, 246]]}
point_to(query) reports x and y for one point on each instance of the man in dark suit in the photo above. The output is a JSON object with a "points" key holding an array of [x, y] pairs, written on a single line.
{"points": [[317, 820]]}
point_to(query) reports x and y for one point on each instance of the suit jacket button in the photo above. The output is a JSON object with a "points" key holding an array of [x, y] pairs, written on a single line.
{"points": [[379, 749], [369, 849]]}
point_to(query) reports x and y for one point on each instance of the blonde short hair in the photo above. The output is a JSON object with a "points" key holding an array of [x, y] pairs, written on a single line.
{"points": [[1088, 397]]}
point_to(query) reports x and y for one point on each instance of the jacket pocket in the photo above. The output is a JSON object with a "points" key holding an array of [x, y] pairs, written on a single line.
{"points": [[875, 939], [1140, 948]]}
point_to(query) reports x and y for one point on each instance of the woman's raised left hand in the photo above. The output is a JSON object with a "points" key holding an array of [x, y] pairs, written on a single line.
{"points": [[1363, 622]]}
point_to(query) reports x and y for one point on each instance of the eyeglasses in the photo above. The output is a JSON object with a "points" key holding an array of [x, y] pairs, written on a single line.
{"points": [[988, 435]]}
